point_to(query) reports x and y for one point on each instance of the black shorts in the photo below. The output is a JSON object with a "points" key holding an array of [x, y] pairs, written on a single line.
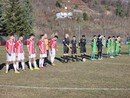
{"points": [[82, 49], [66, 50], [74, 51]]}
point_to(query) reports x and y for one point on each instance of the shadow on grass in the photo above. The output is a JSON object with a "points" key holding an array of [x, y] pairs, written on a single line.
{"points": [[2, 66], [46, 62], [61, 59]]}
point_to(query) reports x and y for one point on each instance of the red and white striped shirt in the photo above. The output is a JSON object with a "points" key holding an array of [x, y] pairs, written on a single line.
{"points": [[42, 46], [53, 44], [19, 46], [31, 46], [10, 45]]}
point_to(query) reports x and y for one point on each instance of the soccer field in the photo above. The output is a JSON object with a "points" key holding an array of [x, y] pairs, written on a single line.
{"points": [[107, 78]]}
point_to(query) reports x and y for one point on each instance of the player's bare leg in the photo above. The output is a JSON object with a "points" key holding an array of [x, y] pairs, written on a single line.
{"points": [[7, 66], [35, 64], [41, 62], [15, 67], [23, 65], [30, 64]]}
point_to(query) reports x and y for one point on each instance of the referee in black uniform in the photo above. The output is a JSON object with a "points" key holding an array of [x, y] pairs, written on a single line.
{"points": [[66, 48]]}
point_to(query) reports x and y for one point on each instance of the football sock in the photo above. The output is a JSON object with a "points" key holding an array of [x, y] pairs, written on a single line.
{"points": [[35, 65], [52, 59], [14, 65], [23, 66], [40, 63], [17, 65], [76, 58], [30, 65], [91, 56], [7, 67]]}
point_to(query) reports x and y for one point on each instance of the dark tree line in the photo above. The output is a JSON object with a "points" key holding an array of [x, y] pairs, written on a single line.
{"points": [[16, 16]]}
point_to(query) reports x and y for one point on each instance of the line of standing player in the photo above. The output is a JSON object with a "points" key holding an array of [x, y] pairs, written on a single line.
{"points": [[15, 51], [112, 45]]}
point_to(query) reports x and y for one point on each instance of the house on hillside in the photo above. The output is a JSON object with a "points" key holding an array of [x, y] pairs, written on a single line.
{"points": [[69, 7]]}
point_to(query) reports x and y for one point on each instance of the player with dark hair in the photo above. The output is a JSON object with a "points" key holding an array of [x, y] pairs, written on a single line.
{"points": [[108, 46], [117, 48], [43, 51], [20, 52], [74, 49], [112, 47], [53, 48], [99, 46], [94, 47], [82, 44], [32, 52], [11, 55]]}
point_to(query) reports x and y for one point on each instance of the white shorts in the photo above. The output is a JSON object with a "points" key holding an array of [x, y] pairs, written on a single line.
{"points": [[20, 57], [43, 55], [32, 56], [53, 52], [11, 57]]}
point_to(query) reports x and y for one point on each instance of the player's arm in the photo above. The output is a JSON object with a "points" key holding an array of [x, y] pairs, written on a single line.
{"points": [[16, 49], [56, 48], [6, 47], [39, 45], [51, 45], [28, 43], [35, 49]]}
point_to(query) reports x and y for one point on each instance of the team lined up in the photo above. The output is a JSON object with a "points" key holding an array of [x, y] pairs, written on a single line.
{"points": [[112, 45], [15, 51]]}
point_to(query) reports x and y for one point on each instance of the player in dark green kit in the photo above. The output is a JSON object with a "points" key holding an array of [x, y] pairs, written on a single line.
{"points": [[117, 48], [108, 46], [112, 47], [94, 47], [129, 45]]}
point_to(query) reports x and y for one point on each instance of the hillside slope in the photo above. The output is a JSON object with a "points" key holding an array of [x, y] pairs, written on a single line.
{"points": [[101, 20]]}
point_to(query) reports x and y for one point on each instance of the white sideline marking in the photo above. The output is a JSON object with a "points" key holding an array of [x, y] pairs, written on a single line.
{"points": [[65, 88], [112, 63]]}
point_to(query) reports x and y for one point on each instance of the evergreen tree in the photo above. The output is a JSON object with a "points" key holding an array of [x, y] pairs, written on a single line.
{"points": [[119, 9], [128, 9], [14, 15], [85, 16], [2, 25], [0, 15], [28, 17], [59, 3], [19, 16]]}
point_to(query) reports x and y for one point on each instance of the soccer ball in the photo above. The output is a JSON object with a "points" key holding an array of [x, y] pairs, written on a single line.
{"points": [[84, 60]]}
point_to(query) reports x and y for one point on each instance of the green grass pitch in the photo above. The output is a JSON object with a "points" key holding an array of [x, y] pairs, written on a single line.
{"points": [[90, 79]]}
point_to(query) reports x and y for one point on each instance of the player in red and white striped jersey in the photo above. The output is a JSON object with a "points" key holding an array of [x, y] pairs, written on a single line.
{"points": [[53, 48], [19, 52], [43, 51], [32, 52], [11, 56]]}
